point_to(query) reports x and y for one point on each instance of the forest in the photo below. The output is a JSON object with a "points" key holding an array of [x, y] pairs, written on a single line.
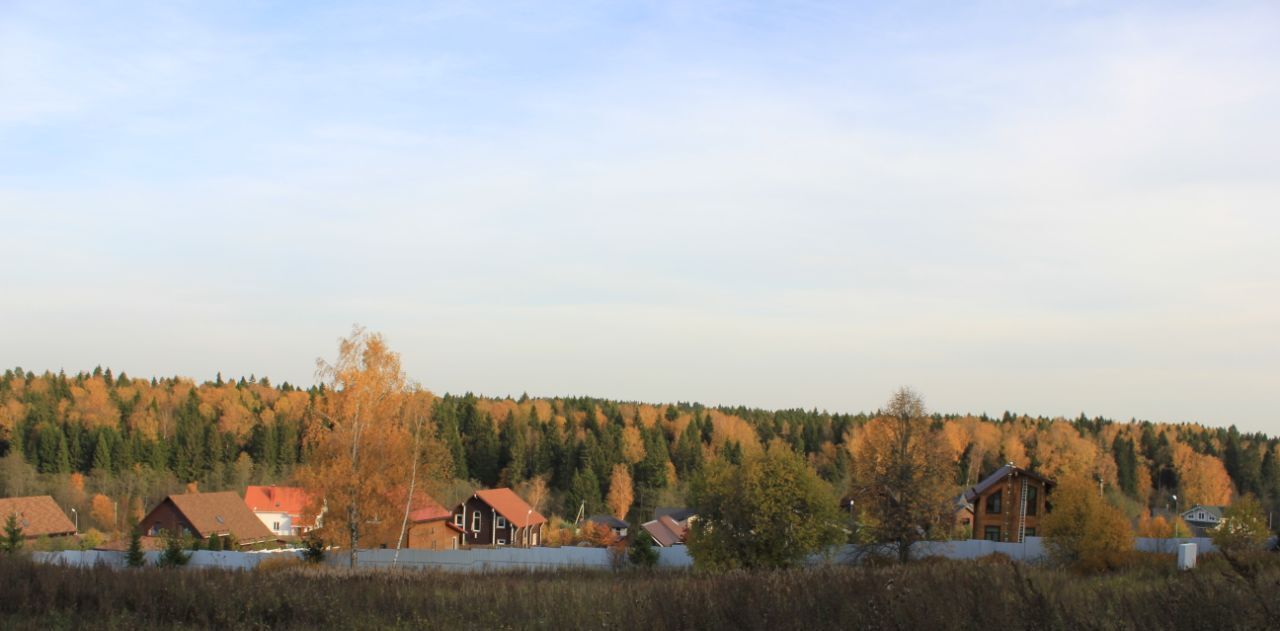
{"points": [[110, 446]]}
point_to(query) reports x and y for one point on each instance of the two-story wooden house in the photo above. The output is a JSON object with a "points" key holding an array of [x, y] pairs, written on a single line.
{"points": [[1007, 505], [498, 517]]}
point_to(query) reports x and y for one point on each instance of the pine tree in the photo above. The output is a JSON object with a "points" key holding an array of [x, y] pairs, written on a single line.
{"points": [[13, 540], [135, 557], [102, 453]]}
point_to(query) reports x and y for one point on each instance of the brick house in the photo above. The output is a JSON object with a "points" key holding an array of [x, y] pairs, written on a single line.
{"points": [[205, 514], [1007, 505], [498, 517], [38, 516]]}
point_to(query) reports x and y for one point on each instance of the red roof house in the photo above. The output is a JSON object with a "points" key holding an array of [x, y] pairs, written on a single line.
{"points": [[498, 517], [282, 509]]}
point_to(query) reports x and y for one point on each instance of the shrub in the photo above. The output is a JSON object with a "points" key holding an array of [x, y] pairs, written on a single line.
{"points": [[642, 552], [1243, 528], [313, 548], [1084, 531], [173, 555], [279, 562]]}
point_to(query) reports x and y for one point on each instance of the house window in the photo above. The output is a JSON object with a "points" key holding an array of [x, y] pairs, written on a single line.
{"points": [[502, 542], [460, 520], [275, 525], [993, 502], [1033, 500], [991, 533], [1031, 532], [475, 521], [502, 522]]}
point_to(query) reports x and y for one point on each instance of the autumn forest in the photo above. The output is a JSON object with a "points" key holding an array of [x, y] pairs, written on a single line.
{"points": [[109, 444]]}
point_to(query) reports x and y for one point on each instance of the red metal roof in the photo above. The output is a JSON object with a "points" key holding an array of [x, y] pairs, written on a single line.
{"points": [[281, 499], [428, 510], [509, 505]]}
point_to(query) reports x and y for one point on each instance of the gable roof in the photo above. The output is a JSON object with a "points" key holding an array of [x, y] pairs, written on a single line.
{"points": [[220, 513], [666, 531], [608, 520], [1214, 511], [281, 499], [676, 513], [428, 510], [38, 516], [998, 476], [509, 505]]}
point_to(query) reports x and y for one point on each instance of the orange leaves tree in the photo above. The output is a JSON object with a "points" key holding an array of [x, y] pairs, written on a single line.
{"points": [[902, 475], [360, 441], [1084, 530], [620, 491]]}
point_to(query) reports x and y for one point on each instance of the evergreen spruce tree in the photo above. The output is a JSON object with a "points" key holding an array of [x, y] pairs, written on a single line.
{"points": [[135, 557], [12, 541], [102, 453]]}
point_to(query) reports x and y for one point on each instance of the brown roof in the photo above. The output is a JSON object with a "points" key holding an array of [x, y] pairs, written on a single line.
{"points": [[220, 513], [509, 505], [666, 531], [38, 516]]}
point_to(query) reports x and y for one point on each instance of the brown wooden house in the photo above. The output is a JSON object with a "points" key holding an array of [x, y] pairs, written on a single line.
{"points": [[498, 517], [1007, 505], [431, 527], [37, 516], [204, 514]]}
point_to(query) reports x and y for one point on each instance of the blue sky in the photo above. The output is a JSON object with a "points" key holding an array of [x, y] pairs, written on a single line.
{"points": [[1046, 207]]}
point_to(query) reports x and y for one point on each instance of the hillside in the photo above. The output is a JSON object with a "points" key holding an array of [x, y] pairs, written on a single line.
{"points": [[102, 442]]}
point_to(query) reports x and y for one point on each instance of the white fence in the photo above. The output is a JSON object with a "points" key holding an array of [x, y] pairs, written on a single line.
{"points": [[486, 559]]}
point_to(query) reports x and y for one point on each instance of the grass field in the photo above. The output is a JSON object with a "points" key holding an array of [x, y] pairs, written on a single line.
{"points": [[926, 595]]}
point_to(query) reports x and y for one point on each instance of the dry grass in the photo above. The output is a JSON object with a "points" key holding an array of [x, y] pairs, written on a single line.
{"points": [[928, 595]]}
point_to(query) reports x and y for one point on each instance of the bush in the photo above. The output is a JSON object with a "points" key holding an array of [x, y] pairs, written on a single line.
{"points": [[1244, 527], [134, 557], [642, 552], [313, 548], [174, 546], [1084, 531]]}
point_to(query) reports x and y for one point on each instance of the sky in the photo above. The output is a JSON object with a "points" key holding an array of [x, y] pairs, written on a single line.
{"points": [[1046, 207]]}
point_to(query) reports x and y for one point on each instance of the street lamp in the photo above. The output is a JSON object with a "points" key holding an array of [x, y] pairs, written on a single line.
{"points": [[1177, 516], [526, 526], [76, 513]]}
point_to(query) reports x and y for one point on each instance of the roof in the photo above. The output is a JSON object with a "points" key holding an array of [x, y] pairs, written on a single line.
{"points": [[38, 516], [998, 476], [666, 531], [281, 499], [608, 520], [509, 505], [428, 510], [220, 513], [1215, 511], [676, 513]]}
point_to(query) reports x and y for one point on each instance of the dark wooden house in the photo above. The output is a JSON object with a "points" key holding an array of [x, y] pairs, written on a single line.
{"points": [[1007, 505], [203, 514], [498, 517]]}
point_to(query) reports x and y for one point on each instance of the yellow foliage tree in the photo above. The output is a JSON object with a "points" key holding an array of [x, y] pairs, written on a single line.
{"points": [[1084, 530], [360, 441], [1202, 479], [620, 491], [103, 512], [902, 473]]}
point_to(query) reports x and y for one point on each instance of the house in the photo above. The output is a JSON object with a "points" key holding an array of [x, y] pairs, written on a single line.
{"points": [[498, 517], [1006, 505], [1203, 519], [282, 509], [38, 516], [670, 526], [617, 526], [205, 514], [432, 527]]}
